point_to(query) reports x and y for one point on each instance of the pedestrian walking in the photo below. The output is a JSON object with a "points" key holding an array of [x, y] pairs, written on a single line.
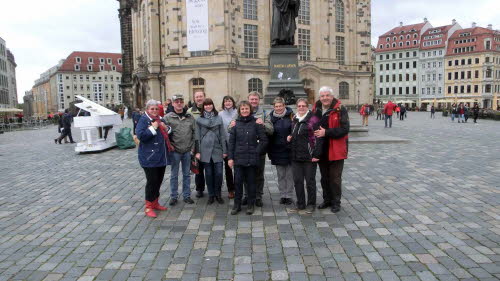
{"points": [[334, 127], [475, 112], [228, 113], [388, 111], [466, 113], [211, 148], [66, 127], [433, 112], [195, 112], [152, 153], [279, 151], [379, 113], [60, 127], [247, 141], [182, 139], [398, 109], [402, 112], [460, 113], [365, 113], [305, 153], [454, 111]]}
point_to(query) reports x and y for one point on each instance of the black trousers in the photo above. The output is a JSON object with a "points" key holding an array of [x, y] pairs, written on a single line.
{"points": [[304, 171], [229, 176], [244, 175], [199, 179], [331, 180], [154, 178], [65, 133], [259, 177]]}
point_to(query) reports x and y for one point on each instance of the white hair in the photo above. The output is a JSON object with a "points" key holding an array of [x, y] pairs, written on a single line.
{"points": [[329, 90], [151, 103]]}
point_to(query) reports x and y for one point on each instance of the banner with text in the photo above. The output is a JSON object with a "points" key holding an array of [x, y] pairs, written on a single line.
{"points": [[197, 25]]}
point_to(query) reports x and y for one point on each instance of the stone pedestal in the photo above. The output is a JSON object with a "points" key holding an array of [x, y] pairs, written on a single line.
{"points": [[284, 69]]}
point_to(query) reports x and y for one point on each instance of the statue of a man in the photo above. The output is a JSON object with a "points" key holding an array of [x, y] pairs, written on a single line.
{"points": [[283, 25]]}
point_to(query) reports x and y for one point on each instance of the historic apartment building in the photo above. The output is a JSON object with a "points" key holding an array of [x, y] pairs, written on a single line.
{"points": [[396, 65], [8, 82], [420, 65], [433, 46], [333, 38], [93, 75], [472, 67]]}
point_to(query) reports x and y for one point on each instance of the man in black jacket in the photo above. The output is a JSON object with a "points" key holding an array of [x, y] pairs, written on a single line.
{"points": [[66, 120]]}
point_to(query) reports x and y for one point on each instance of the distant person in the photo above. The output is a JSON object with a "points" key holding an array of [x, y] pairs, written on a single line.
{"points": [[402, 112], [466, 113], [433, 111], [388, 111], [460, 113], [152, 153], [454, 112], [398, 109], [60, 126], [125, 113], [66, 130], [365, 113], [475, 112], [379, 114]]}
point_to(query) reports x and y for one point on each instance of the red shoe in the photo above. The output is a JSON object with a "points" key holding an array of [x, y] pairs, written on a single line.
{"points": [[157, 206], [149, 209]]}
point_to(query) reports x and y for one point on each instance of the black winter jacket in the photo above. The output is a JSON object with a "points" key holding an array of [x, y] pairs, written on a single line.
{"points": [[279, 150], [247, 141], [304, 145]]}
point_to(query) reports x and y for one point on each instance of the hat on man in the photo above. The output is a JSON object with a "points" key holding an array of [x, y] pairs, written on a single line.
{"points": [[177, 97]]}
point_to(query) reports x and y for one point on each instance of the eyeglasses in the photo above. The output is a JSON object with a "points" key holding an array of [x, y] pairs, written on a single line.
{"points": [[153, 109]]}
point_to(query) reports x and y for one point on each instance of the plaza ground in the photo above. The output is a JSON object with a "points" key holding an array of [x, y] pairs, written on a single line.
{"points": [[424, 210]]}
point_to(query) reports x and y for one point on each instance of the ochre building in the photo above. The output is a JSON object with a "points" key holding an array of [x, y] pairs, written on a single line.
{"points": [[333, 38]]}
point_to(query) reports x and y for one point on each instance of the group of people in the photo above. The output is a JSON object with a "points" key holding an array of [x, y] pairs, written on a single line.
{"points": [[461, 112], [238, 137]]}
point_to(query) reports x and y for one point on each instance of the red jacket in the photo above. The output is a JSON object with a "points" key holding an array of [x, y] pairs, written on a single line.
{"points": [[336, 124], [363, 108], [389, 108]]}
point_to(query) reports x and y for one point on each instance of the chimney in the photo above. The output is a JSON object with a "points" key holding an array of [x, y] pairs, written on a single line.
{"points": [[473, 24], [490, 26], [425, 19], [400, 23], [454, 21]]}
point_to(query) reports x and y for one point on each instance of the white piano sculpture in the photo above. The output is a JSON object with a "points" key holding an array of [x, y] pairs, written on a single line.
{"points": [[97, 129]]}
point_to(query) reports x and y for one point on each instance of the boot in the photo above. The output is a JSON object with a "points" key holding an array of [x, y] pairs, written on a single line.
{"points": [[210, 200], [149, 210], [250, 209], [236, 209], [157, 206], [244, 201]]}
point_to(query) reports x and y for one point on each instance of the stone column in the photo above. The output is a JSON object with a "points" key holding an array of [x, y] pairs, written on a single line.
{"points": [[125, 15]]}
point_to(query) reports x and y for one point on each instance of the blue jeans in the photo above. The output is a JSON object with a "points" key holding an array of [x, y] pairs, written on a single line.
{"points": [[452, 117], [213, 178], [185, 159], [390, 120]]}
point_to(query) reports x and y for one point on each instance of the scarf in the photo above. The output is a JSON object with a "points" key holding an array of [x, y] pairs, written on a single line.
{"points": [[300, 118], [164, 132], [208, 114], [279, 115]]}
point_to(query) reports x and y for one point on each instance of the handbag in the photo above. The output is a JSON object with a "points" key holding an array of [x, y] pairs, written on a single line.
{"points": [[195, 165]]}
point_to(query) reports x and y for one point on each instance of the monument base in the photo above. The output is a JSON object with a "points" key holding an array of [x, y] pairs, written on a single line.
{"points": [[285, 80]]}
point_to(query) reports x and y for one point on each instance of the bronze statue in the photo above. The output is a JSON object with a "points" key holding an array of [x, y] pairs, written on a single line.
{"points": [[283, 25]]}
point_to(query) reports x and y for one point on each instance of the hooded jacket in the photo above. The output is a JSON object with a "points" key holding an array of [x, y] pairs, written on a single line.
{"points": [[247, 141]]}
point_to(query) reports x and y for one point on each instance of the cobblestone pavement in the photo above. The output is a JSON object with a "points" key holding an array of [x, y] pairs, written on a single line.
{"points": [[425, 210]]}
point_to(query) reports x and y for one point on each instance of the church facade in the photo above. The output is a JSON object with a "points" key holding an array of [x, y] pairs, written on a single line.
{"points": [[333, 38]]}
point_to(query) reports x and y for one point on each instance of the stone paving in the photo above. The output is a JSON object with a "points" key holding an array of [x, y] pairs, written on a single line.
{"points": [[424, 210]]}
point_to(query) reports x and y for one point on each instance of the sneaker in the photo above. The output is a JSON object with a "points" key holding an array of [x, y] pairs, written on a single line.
{"points": [[244, 201], [258, 202], [173, 202], [188, 200], [310, 209]]}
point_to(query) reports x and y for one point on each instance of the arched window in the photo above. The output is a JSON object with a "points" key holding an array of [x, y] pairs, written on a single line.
{"points": [[339, 16], [255, 84], [344, 90]]}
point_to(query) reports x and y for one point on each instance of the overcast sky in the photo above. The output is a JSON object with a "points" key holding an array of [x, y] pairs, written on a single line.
{"points": [[40, 33]]}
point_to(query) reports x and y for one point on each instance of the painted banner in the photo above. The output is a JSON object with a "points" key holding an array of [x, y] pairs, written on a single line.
{"points": [[197, 25]]}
